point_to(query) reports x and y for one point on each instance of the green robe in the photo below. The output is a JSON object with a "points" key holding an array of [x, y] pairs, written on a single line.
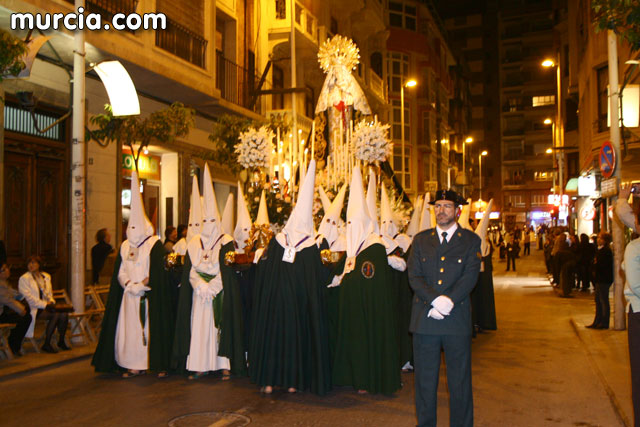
{"points": [[403, 296], [289, 337], [365, 349], [161, 320], [231, 328]]}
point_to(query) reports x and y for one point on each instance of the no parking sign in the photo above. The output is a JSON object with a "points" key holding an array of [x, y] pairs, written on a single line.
{"points": [[607, 159]]}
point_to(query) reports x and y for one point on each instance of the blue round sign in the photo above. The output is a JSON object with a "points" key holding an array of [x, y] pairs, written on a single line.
{"points": [[607, 159]]}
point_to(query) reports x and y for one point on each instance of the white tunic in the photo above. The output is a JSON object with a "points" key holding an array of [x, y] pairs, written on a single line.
{"points": [[205, 337], [130, 350]]}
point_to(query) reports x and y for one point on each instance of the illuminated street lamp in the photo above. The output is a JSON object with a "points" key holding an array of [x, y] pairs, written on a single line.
{"points": [[410, 83], [468, 140], [484, 153]]}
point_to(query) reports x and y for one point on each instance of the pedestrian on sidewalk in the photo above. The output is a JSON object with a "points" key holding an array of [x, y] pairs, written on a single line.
{"points": [[526, 239], [631, 267], [602, 279], [587, 254], [443, 269], [512, 252]]}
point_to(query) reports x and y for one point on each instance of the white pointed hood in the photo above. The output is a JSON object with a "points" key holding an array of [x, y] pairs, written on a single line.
{"points": [[195, 211], [481, 229], [263, 214], [463, 220], [329, 227], [227, 215], [414, 224], [388, 227], [359, 223], [243, 226], [326, 202], [139, 227], [371, 200], [211, 227], [300, 224], [425, 218]]}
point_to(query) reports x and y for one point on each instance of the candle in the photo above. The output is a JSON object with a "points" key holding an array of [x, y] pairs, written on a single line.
{"points": [[313, 140]]}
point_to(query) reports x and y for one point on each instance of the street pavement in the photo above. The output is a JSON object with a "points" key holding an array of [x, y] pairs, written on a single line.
{"points": [[542, 367]]}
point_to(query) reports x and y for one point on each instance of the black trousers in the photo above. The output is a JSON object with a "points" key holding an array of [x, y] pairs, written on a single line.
{"points": [[457, 355], [527, 249], [633, 332], [55, 321], [22, 324], [511, 260], [584, 275], [601, 297]]}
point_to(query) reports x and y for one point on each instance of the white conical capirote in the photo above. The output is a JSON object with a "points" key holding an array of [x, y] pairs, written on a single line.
{"points": [[194, 227], [481, 229], [326, 202], [300, 223], [371, 200], [139, 227], [211, 227], [243, 225], [414, 224], [425, 216], [359, 223], [263, 214], [227, 215], [329, 227], [388, 226], [463, 220]]}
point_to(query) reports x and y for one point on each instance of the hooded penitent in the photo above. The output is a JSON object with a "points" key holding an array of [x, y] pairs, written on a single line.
{"points": [[194, 226], [263, 214], [481, 230], [330, 222], [359, 223], [299, 231], [388, 228], [414, 224], [426, 218], [227, 215], [243, 226], [326, 203], [139, 228], [463, 220], [371, 200], [211, 228]]}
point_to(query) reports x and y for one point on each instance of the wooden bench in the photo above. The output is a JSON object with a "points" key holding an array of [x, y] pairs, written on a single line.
{"points": [[5, 328]]}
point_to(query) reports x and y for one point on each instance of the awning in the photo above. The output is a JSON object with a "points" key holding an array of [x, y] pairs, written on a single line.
{"points": [[572, 186]]}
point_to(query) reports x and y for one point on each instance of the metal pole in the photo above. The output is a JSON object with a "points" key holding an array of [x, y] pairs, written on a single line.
{"points": [[558, 128], [294, 82], [402, 133], [464, 172], [77, 198], [480, 175], [616, 226]]}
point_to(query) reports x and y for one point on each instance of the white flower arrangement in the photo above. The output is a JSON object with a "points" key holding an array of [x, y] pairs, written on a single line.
{"points": [[254, 148], [371, 141]]}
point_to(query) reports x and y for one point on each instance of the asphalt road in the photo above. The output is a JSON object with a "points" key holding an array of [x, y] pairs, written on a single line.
{"points": [[533, 371]]}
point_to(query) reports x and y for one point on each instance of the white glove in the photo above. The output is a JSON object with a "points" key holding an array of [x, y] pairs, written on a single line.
{"points": [[443, 304], [337, 280], [202, 291], [215, 286], [136, 289], [397, 263], [258, 255], [435, 314]]}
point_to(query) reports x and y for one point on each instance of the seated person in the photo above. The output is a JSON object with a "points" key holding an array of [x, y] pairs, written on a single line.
{"points": [[35, 286], [12, 311]]}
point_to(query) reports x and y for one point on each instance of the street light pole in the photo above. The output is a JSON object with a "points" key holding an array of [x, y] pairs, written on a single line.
{"points": [[484, 153], [464, 169], [410, 83]]}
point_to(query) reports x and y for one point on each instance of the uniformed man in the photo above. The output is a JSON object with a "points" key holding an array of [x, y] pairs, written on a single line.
{"points": [[444, 263]]}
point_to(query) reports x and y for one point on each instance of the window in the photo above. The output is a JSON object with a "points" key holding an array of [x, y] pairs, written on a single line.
{"points": [[538, 200], [278, 83], [376, 63], [515, 201], [539, 101], [404, 178], [402, 16], [603, 98], [398, 70], [309, 104], [334, 26], [281, 9], [542, 175], [396, 122], [426, 129]]}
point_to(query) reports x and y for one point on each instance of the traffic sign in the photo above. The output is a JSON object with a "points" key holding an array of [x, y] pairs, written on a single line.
{"points": [[607, 159]]}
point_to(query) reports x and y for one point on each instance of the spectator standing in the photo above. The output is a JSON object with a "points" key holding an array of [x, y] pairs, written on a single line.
{"points": [[587, 253], [526, 239], [602, 279], [512, 252], [35, 287], [12, 311], [170, 238], [99, 253]]}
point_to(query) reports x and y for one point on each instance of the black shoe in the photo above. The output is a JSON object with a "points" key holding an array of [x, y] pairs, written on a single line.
{"points": [[16, 352], [592, 326], [48, 349], [602, 327], [63, 346]]}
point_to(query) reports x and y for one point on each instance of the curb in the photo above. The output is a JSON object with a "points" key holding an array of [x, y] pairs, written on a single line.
{"points": [[607, 388], [35, 370]]}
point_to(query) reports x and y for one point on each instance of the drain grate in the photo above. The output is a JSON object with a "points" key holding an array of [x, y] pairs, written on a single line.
{"points": [[206, 419]]}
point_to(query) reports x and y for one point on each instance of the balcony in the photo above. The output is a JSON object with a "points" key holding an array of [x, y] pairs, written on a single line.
{"points": [[376, 84], [183, 43], [279, 23], [513, 132], [234, 82], [108, 8]]}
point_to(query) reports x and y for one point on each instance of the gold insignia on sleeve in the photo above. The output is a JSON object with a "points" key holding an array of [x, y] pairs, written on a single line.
{"points": [[479, 255]]}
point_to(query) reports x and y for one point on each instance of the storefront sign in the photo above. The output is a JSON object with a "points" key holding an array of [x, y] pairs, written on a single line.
{"points": [[492, 215], [588, 213], [586, 186], [148, 166], [609, 187], [538, 215], [607, 159]]}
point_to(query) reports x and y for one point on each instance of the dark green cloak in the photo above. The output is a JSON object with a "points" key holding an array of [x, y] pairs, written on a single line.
{"points": [[161, 320], [365, 350], [231, 330], [289, 336], [403, 296]]}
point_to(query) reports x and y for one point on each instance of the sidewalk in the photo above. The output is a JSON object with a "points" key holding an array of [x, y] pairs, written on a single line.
{"points": [[607, 350]]}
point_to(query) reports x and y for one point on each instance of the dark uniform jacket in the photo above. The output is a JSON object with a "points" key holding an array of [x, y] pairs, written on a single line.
{"points": [[450, 270]]}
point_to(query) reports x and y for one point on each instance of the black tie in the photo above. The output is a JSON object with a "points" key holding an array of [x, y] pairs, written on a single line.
{"points": [[444, 238]]}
